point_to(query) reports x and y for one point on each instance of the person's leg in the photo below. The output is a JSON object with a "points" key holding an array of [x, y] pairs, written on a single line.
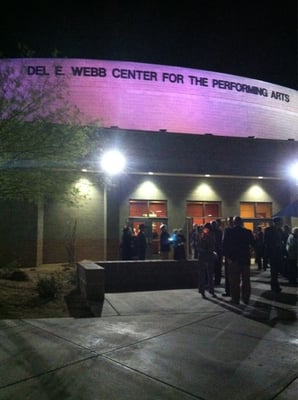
{"points": [[259, 259], [217, 270], [265, 262], [234, 280], [245, 286], [194, 253], [292, 271], [286, 267], [295, 272], [176, 253], [274, 271], [227, 283], [210, 274], [202, 277]]}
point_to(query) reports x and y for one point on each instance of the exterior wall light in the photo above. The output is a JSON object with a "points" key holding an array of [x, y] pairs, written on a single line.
{"points": [[113, 162], [294, 170]]}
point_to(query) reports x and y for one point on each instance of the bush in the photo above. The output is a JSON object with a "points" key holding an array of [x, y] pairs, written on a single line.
{"points": [[13, 274], [73, 278], [19, 275], [5, 273], [47, 288]]}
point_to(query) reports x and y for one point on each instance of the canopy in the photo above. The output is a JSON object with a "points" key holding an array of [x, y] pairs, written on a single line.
{"points": [[291, 210]]}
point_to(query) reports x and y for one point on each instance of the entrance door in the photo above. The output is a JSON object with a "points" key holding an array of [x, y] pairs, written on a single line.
{"points": [[152, 232]]}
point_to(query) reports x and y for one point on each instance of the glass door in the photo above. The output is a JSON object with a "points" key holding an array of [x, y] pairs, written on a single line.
{"points": [[152, 233]]}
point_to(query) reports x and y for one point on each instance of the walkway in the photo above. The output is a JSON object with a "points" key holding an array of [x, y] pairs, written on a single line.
{"points": [[169, 345]]}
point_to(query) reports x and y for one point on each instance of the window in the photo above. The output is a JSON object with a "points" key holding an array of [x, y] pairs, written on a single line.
{"points": [[202, 212], [148, 208], [255, 210]]}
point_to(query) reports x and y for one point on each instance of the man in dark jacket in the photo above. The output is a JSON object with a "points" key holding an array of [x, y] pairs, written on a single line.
{"points": [[237, 244], [141, 242]]}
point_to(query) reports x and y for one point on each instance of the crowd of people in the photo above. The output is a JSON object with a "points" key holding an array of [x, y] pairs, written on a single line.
{"points": [[224, 252], [233, 246], [134, 245]]}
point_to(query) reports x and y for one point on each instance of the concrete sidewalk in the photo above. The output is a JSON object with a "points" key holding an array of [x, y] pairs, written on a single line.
{"points": [[158, 345]]}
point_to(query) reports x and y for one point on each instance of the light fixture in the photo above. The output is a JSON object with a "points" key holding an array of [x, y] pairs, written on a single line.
{"points": [[293, 170], [113, 162]]}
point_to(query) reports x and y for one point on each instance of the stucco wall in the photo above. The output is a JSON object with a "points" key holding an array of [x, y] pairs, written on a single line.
{"points": [[150, 97]]}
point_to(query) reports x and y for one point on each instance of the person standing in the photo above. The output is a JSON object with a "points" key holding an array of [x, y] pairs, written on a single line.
{"points": [[292, 250], [217, 232], [286, 230], [174, 243], [227, 283], [126, 243], [194, 242], [273, 243], [259, 248], [141, 243], [180, 250], [164, 242], [206, 250], [238, 243]]}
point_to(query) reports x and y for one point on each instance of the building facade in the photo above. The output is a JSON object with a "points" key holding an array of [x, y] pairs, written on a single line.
{"points": [[199, 145]]}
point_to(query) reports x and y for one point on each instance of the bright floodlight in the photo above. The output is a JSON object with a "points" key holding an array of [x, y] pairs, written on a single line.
{"points": [[294, 170], [113, 162]]}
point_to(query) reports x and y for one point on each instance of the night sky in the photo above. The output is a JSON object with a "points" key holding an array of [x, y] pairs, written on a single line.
{"points": [[255, 39]]}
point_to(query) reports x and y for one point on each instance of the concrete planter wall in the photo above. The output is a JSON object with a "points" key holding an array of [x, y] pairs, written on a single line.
{"points": [[97, 278]]}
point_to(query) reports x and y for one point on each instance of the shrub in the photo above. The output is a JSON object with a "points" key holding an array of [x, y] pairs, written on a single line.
{"points": [[47, 288], [5, 273], [19, 275], [12, 273], [73, 278]]}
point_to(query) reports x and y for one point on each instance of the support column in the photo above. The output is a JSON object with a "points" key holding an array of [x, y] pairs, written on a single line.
{"points": [[40, 233]]}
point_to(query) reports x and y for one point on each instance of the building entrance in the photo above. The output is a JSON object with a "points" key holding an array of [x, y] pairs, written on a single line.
{"points": [[152, 232]]}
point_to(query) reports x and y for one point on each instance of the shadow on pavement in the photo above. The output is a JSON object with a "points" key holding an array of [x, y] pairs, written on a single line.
{"points": [[269, 314], [79, 307]]}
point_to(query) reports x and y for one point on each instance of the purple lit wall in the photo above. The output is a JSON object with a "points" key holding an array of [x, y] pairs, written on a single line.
{"points": [[153, 97]]}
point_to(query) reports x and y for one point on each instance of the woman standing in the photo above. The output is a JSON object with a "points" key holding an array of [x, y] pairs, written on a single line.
{"points": [[206, 254], [164, 242]]}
